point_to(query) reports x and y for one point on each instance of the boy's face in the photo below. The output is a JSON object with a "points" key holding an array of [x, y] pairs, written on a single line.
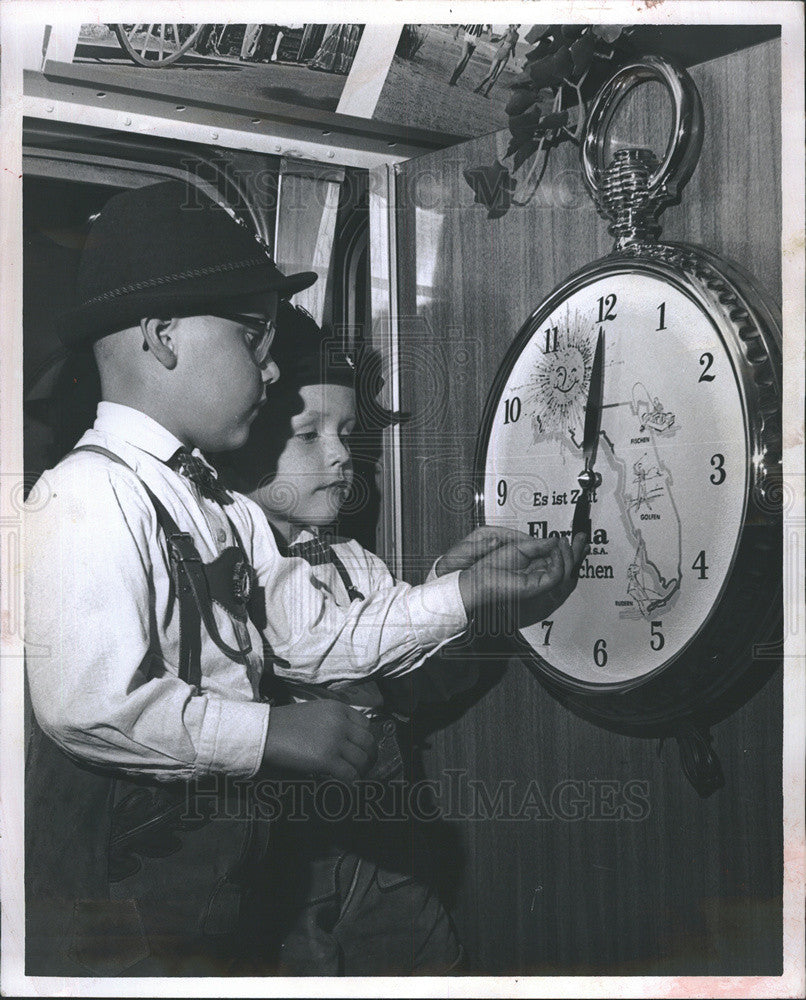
{"points": [[227, 370], [314, 470]]}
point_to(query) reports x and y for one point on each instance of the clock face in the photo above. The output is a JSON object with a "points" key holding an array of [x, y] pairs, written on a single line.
{"points": [[673, 458]]}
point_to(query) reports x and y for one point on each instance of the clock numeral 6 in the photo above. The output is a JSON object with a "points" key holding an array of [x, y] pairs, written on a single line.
{"points": [[718, 477], [502, 492], [657, 640], [600, 653], [547, 626], [512, 410]]}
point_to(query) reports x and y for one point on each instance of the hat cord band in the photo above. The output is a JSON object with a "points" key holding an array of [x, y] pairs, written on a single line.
{"points": [[196, 272]]}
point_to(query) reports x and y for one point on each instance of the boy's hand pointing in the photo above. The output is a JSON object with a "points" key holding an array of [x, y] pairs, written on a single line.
{"points": [[474, 546], [531, 577]]}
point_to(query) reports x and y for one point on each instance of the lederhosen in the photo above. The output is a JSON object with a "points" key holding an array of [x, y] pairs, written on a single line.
{"points": [[134, 876], [309, 857]]}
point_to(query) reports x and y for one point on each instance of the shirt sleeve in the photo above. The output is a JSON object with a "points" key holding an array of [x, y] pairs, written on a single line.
{"points": [[432, 573], [437, 678], [390, 632], [100, 686]]}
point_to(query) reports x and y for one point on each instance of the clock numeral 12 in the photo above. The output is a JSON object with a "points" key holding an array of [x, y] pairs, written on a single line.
{"points": [[607, 304], [512, 410]]}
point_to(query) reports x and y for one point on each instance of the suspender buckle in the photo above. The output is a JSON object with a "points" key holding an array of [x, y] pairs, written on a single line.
{"points": [[183, 547], [242, 581]]}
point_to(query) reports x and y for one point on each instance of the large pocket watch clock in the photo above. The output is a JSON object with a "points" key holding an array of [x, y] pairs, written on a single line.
{"points": [[640, 402]]}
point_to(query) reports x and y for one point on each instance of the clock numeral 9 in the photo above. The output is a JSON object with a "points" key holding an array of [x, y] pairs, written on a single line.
{"points": [[719, 476], [512, 410], [706, 360], [547, 626], [607, 303], [657, 640], [502, 492], [600, 653], [700, 565]]}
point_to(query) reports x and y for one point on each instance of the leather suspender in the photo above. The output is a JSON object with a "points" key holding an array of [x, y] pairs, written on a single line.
{"points": [[318, 551], [188, 572], [352, 591]]}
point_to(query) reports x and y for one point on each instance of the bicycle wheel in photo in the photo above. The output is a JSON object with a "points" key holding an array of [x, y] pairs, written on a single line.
{"points": [[156, 44]]}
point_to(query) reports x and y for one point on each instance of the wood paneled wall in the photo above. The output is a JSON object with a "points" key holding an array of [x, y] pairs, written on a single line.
{"points": [[689, 886]]}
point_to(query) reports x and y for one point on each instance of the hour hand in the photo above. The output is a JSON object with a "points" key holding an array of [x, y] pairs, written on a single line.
{"points": [[582, 516]]}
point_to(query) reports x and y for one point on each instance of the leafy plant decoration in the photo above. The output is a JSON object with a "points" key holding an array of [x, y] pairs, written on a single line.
{"points": [[548, 105]]}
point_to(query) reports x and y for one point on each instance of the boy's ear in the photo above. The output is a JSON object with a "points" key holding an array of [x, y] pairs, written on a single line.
{"points": [[157, 338]]}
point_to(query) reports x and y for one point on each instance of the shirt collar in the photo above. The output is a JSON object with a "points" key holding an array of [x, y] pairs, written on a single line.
{"points": [[303, 535], [138, 430]]}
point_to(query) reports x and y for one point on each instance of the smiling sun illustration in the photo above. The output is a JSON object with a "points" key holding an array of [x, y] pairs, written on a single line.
{"points": [[559, 380]]}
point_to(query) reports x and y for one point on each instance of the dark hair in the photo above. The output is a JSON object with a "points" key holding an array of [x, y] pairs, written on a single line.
{"points": [[305, 355]]}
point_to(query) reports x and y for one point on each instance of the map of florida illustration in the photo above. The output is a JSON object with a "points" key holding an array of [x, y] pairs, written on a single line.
{"points": [[646, 504], [643, 491]]}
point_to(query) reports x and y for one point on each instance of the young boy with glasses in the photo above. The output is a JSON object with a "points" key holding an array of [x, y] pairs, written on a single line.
{"points": [[154, 599]]}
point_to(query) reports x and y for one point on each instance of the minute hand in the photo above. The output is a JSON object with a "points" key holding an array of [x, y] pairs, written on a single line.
{"points": [[590, 441], [593, 408]]}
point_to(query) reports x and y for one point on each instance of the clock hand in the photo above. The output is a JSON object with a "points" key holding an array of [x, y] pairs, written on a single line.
{"points": [[589, 479], [593, 408]]}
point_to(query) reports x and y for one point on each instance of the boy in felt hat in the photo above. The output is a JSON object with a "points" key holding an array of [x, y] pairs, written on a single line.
{"points": [[154, 599], [358, 895]]}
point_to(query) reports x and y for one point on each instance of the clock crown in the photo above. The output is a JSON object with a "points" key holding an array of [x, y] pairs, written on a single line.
{"points": [[634, 187], [627, 198]]}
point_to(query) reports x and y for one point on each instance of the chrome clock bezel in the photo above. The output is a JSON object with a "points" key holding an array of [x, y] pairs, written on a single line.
{"points": [[749, 329]]}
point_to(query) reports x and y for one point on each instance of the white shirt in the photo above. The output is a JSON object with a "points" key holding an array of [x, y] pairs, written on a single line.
{"points": [[368, 574], [102, 630]]}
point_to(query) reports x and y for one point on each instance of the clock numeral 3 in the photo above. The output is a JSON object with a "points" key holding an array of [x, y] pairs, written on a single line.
{"points": [[719, 476], [657, 640], [600, 653], [706, 360], [502, 492], [512, 410], [700, 565], [547, 626]]}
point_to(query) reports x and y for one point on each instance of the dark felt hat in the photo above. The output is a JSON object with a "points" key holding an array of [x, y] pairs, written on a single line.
{"points": [[306, 354], [166, 250]]}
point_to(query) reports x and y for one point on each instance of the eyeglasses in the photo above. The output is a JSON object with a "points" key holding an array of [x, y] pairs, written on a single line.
{"points": [[258, 334]]}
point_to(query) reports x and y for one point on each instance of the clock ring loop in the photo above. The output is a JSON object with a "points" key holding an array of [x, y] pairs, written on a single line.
{"points": [[685, 141]]}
